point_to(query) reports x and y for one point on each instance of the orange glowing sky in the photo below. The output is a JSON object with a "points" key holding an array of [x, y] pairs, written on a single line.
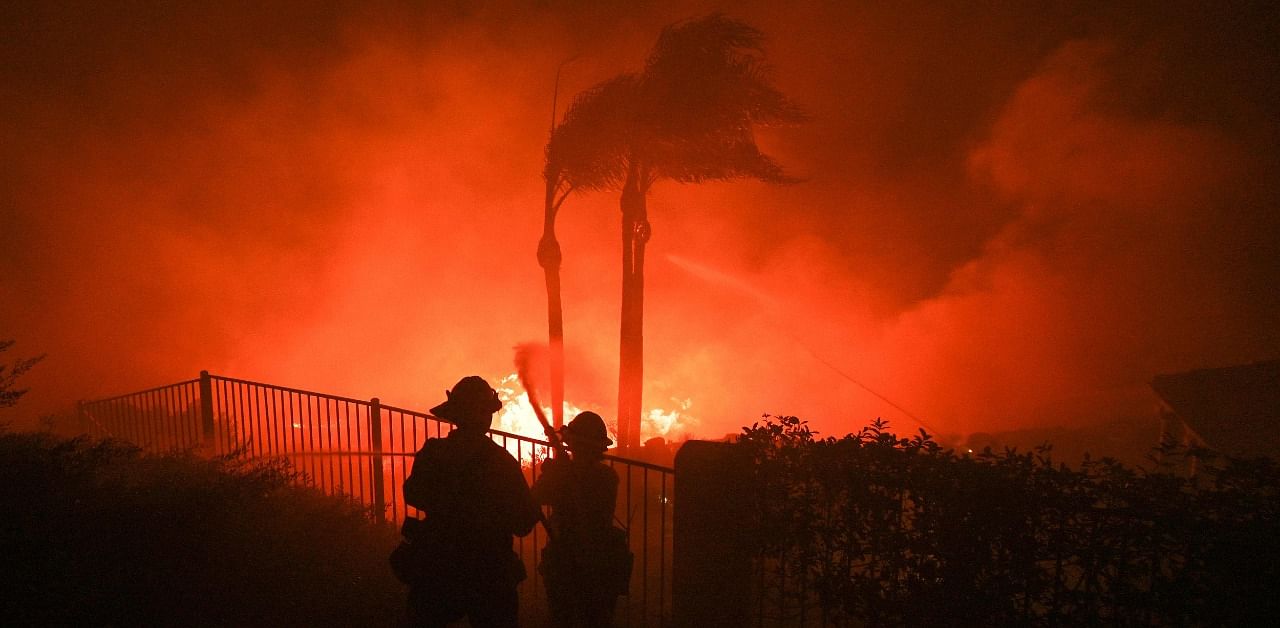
{"points": [[1009, 218]]}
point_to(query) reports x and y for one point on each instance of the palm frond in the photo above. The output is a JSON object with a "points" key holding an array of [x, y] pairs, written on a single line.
{"points": [[689, 116], [704, 88], [589, 147]]}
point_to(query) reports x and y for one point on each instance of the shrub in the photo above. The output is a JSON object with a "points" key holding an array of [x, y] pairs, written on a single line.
{"points": [[98, 533], [876, 529]]}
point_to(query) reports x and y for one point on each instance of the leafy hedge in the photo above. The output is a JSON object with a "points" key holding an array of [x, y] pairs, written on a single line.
{"points": [[96, 533], [884, 530]]}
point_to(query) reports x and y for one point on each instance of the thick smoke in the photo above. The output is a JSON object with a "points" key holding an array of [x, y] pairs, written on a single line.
{"points": [[1009, 219]]}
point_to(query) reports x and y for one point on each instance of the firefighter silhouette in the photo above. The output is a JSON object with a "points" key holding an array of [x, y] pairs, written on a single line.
{"points": [[474, 499], [586, 563]]}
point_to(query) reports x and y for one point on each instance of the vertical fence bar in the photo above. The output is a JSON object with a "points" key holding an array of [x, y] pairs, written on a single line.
{"points": [[327, 419], [252, 440], [150, 417], [180, 417], [157, 417], [117, 416], [172, 441], [123, 428], [206, 409], [630, 540], [184, 402], [351, 415], [220, 402], [662, 550], [263, 420], [375, 442], [295, 412], [179, 422], [141, 404], [271, 423], [113, 420], [237, 439], [644, 543]]}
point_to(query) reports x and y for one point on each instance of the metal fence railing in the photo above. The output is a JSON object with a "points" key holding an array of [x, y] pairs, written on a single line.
{"points": [[163, 419], [365, 449]]}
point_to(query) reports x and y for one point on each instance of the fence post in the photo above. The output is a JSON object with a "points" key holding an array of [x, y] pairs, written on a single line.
{"points": [[712, 537], [375, 439], [82, 419], [206, 410]]}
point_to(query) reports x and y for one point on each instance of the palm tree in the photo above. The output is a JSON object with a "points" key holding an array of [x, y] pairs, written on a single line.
{"points": [[688, 117], [704, 89], [583, 153]]}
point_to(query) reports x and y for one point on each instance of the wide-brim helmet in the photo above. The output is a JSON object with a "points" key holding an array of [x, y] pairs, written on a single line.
{"points": [[472, 396], [586, 429]]}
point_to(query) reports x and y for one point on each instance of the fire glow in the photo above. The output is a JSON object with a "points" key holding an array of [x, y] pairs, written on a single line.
{"points": [[517, 417], [352, 201]]}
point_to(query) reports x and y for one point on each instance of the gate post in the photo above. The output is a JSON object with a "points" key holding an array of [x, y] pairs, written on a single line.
{"points": [[375, 439], [206, 411], [712, 529]]}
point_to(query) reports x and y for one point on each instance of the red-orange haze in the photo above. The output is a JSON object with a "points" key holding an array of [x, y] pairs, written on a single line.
{"points": [[1009, 218]]}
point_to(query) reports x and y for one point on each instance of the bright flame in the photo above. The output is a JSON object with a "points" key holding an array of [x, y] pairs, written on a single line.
{"points": [[669, 424], [517, 417]]}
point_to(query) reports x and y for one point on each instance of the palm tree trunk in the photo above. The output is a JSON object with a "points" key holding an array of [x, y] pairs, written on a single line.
{"points": [[555, 338], [635, 234], [549, 259]]}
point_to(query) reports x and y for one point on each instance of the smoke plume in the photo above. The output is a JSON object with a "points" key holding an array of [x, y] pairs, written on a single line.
{"points": [[1010, 218]]}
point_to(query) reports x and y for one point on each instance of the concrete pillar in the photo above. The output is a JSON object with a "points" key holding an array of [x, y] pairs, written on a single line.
{"points": [[712, 545]]}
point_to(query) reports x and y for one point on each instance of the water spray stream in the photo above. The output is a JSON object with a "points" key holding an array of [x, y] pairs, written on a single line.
{"points": [[736, 284], [525, 355]]}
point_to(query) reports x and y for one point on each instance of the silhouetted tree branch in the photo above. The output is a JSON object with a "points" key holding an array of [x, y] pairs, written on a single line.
{"points": [[9, 376]]}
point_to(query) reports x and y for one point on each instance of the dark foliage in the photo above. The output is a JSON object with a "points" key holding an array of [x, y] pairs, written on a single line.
{"points": [[688, 117], [9, 375], [96, 533], [880, 530]]}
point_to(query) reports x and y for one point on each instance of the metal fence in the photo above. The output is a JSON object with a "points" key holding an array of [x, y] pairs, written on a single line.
{"points": [[364, 449], [163, 419]]}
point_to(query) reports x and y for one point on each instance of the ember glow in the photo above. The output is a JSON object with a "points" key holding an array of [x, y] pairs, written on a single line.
{"points": [[673, 423], [1010, 217]]}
